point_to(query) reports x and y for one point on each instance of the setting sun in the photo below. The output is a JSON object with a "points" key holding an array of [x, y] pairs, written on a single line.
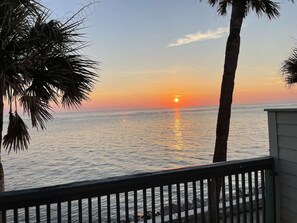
{"points": [[176, 100]]}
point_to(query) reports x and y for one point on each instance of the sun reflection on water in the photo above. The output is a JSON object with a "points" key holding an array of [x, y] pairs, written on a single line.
{"points": [[178, 132]]}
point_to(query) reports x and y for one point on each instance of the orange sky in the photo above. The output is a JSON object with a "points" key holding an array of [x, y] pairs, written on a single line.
{"points": [[192, 86]]}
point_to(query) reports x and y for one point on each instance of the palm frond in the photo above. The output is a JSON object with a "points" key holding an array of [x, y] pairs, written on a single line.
{"points": [[16, 15], [62, 71], [17, 137], [265, 8], [40, 65], [212, 3], [37, 109], [220, 4], [222, 8], [289, 68], [80, 80]]}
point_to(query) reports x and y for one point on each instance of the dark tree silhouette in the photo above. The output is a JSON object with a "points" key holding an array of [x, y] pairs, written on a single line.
{"points": [[289, 68], [40, 66], [239, 10]]}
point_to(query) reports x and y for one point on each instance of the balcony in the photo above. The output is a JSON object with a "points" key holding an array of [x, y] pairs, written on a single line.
{"points": [[179, 195]]}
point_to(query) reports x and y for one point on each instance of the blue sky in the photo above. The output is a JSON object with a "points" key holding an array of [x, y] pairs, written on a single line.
{"points": [[153, 50]]}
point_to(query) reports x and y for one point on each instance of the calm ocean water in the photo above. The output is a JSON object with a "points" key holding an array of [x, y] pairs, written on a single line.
{"points": [[86, 146]]}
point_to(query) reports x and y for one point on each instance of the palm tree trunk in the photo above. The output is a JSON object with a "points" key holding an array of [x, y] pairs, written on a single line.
{"points": [[231, 58], [224, 115], [2, 188]]}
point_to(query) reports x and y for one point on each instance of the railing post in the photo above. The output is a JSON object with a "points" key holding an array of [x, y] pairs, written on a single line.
{"points": [[270, 210], [274, 152]]}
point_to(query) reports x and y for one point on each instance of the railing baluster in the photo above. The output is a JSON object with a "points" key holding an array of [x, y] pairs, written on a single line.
{"points": [[186, 202], [250, 180], [153, 205], [195, 201], [243, 197], [202, 200], [69, 210], [230, 197], [15, 215], [37, 210], [178, 202], [257, 196], [135, 207], [263, 195], [80, 214], [59, 212], [99, 209], [27, 217], [90, 210], [162, 203], [224, 199], [144, 205], [170, 202], [48, 213], [108, 208], [127, 206], [237, 198], [118, 207]]}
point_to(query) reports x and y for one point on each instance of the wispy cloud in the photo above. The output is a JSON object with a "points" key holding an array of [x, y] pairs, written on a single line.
{"points": [[199, 36]]}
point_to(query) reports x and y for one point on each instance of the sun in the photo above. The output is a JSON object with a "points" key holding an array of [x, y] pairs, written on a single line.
{"points": [[176, 99]]}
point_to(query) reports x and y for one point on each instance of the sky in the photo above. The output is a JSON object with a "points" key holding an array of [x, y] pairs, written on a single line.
{"points": [[152, 51]]}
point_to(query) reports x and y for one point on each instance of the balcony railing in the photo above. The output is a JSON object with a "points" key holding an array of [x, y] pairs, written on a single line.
{"points": [[180, 195]]}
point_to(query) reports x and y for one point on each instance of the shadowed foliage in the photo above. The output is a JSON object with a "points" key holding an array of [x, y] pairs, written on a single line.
{"points": [[239, 10], [41, 65], [289, 68], [17, 136]]}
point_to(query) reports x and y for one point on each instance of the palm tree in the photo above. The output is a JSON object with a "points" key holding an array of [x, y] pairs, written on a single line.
{"points": [[40, 66], [289, 68], [239, 10]]}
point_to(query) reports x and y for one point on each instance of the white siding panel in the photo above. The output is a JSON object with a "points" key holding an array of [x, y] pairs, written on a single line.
{"points": [[287, 142], [288, 216], [288, 180], [289, 192], [289, 204], [288, 167], [287, 130], [287, 118], [288, 155], [283, 147], [285, 221]]}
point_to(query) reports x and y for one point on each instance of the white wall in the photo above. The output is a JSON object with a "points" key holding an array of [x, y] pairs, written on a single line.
{"points": [[282, 125]]}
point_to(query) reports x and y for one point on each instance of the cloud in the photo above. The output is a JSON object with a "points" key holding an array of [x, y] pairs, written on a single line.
{"points": [[199, 36]]}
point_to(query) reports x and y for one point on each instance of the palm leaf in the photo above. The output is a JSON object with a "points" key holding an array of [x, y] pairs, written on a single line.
{"points": [[17, 137], [289, 68], [222, 8], [267, 8], [37, 109]]}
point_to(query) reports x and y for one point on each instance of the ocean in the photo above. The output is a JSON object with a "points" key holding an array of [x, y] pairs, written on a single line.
{"points": [[96, 145]]}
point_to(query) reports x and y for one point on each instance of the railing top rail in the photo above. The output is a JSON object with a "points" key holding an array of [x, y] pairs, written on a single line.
{"points": [[94, 188]]}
